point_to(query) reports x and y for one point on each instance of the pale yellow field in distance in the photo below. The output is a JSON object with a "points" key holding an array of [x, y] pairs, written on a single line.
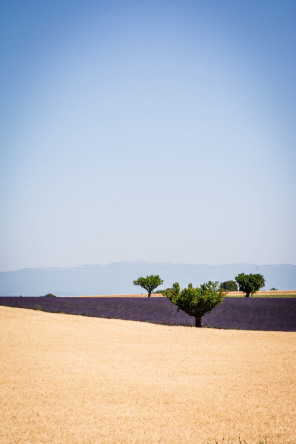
{"points": [[71, 379], [230, 293]]}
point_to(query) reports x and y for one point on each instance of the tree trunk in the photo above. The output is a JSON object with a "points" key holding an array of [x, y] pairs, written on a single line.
{"points": [[198, 321], [247, 295], [149, 294]]}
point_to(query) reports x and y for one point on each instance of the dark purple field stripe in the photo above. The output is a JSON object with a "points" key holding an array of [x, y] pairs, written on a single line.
{"points": [[272, 314]]}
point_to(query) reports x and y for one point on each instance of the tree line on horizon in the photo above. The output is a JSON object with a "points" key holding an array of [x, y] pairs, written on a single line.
{"points": [[197, 301]]}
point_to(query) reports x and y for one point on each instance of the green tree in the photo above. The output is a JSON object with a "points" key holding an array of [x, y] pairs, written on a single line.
{"points": [[229, 286], [149, 283], [250, 283], [196, 301]]}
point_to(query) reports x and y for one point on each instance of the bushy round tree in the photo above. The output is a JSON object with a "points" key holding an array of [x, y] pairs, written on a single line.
{"points": [[196, 301], [250, 283], [149, 283], [229, 286]]}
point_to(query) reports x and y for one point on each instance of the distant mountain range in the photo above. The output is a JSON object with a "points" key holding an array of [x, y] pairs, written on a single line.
{"points": [[117, 278]]}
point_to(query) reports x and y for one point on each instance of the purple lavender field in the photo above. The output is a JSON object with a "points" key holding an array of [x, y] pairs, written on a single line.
{"points": [[234, 313]]}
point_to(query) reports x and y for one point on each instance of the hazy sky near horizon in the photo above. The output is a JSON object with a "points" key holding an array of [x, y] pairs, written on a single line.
{"points": [[160, 131]]}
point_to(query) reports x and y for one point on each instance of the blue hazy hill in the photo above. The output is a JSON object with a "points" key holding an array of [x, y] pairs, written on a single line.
{"points": [[117, 278]]}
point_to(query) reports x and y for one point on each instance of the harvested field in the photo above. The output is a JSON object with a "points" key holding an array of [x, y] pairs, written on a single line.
{"points": [[239, 313], [258, 294], [71, 379], [266, 293]]}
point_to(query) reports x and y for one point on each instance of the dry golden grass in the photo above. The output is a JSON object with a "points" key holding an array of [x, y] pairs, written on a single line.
{"points": [[140, 295], [70, 379], [230, 293], [264, 293]]}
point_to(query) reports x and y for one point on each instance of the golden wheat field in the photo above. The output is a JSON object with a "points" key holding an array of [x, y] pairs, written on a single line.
{"points": [[71, 379], [230, 293]]}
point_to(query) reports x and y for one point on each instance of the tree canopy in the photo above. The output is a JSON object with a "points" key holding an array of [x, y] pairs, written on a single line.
{"points": [[250, 283], [229, 286], [149, 283], [196, 301]]}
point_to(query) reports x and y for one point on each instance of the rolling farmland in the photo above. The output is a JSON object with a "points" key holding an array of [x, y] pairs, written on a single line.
{"points": [[89, 380]]}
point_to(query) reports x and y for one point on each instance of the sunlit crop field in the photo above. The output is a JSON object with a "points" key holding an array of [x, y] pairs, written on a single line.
{"points": [[258, 294], [72, 379]]}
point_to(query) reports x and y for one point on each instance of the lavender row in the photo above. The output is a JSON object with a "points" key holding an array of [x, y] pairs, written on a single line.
{"points": [[234, 313]]}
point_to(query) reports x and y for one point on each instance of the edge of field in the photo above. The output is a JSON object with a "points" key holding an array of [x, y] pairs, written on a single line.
{"points": [[267, 293]]}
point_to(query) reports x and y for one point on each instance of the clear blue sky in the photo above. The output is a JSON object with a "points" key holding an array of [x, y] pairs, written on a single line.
{"points": [[161, 131]]}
